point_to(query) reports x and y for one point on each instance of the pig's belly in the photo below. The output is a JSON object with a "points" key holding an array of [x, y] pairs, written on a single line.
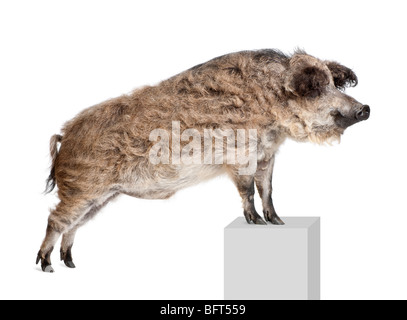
{"points": [[163, 184]]}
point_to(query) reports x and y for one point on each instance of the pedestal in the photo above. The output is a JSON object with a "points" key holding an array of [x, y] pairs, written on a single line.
{"points": [[273, 262]]}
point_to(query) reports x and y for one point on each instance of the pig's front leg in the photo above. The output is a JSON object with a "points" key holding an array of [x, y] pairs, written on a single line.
{"points": [[245, 186], [263, 178]]}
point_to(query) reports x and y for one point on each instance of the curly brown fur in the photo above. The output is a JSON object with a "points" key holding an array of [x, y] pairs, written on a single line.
{"points": [[105, 149]]}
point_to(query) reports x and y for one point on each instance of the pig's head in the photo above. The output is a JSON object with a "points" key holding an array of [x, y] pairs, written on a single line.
{"points": [[319, 109]]}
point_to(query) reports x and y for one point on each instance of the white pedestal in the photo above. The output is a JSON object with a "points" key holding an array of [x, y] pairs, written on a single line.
{"points": [[273, 262]]}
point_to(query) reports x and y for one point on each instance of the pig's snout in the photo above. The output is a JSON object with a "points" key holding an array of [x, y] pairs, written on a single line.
{"points": [[343, 121], [363, 113]]}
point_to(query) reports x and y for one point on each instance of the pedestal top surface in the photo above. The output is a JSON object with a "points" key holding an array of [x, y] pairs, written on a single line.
{"points": [[290, 223]]}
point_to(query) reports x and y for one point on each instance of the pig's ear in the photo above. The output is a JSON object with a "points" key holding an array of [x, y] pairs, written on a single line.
{"points": [[343, 76], [307, 82]]}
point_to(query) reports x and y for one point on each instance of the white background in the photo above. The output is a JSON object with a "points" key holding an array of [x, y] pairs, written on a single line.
{"points": [[58, 58]]}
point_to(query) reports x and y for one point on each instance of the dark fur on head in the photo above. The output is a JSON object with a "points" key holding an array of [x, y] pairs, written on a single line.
{"points": [[343, 76], [309, 82]]}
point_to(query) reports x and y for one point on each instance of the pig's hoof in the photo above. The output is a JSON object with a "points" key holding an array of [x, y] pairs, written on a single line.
{"points": [[66, 257], [45, 261], [254, 217], [273, 218], [276, 220], [260, 221], [48, 269], [70, 264]]}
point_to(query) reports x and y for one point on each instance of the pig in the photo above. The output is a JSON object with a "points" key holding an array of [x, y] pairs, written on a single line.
{"points": [[120, 146]]}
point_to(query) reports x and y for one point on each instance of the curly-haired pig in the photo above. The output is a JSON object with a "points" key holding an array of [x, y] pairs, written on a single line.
{"points": [[159, 139]]}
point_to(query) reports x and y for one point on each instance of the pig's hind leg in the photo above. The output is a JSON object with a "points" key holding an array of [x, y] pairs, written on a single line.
{"points": [[61, 219], [68, 215], [69, 237]]}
